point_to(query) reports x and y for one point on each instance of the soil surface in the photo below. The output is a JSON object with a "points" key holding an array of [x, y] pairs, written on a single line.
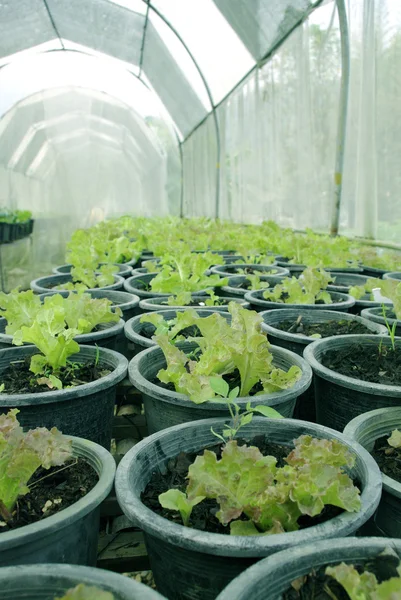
{"points": [[18, 379], [60, 486], [325, 329], [318, 586], [388, 458], [367, 363], [203, 514]]}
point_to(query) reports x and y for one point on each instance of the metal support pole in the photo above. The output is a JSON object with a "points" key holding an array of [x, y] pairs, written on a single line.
{"points": [[342, 120]]}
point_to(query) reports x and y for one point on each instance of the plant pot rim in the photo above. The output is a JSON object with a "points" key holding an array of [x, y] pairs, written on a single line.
{"points": [[143, 304], [108, 330], [136, 337], [117, 374], [232, 545], [160, 393], [37, 286], [222, 269], [376, 312], [123, 268], [74, 574], [133, 302], [335, 315], [312, 555], [340, 299], [281, 260], [107, 467], [390, 485], [343, 380], [390, 275]]}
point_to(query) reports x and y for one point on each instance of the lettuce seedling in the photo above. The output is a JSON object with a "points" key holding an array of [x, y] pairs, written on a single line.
{"points": [[83, 312], [86, 592], [185, 272], [171, 328], [224, 348], [309, 288], [365, 586], [244, 483], [21, 454], [19, 308]]}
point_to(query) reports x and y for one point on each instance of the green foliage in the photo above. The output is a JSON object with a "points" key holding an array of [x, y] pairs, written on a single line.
{"points": [[83, 312], [86, 592], [175, 500], [171, 328], [364, 586], [18, 308], [224, 348], [395, 439], [21, 454], [14, 216], [185, 272], [247, 484], [309, 288]]}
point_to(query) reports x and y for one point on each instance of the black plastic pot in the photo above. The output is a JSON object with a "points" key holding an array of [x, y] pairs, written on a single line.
{"points": [[373, 271], [192, 564], [233, 289], [165, 408], [106, 336], [341, 302], [393, 275], [139, 270], [71, 535], [5, 233], [134, 330], [375, 315], [150, 304], [339, 398], [123, 270], [48, 581], [48, 283], [275, 274], [365, 430], [305, 407], [85, 410], [343, 281], [271, 577]]}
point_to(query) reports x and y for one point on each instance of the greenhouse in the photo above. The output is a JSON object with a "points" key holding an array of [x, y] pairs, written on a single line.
{"points": [[200, 300]]}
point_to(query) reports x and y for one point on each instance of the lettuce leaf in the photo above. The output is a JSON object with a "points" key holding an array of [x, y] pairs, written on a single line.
{"points": [[18, 308]]}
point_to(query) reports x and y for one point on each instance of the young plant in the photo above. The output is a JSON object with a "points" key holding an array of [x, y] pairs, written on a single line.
{"points": [[391, 330], [86, 592], [225, 349], [21, 454], [84, 278], [309, 288], [19, 308], [365, 586], [171, 328], [263, 498], [185, 298]]}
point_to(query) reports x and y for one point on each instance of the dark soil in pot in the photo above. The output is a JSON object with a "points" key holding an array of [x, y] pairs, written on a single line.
{"points": [[203, 514], [325, 329], [388, 458], [319, 586], [18, 379], [52, 490], [366, 363]]}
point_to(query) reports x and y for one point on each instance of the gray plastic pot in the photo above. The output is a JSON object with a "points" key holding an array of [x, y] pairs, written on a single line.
{"points": [[375, 315], [124, 270], [305, 407], [275, 274], [85, 410], [339, 398], [233, 289], [271, 577], [71, 535], [341, 302], [48, 283], [165, 408], [393, 275], [151, 304], [105, 337], [373, 271], [196, 565], [365, 430], [48, 581], [343, 281], [365, 302], [134, 330]]}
